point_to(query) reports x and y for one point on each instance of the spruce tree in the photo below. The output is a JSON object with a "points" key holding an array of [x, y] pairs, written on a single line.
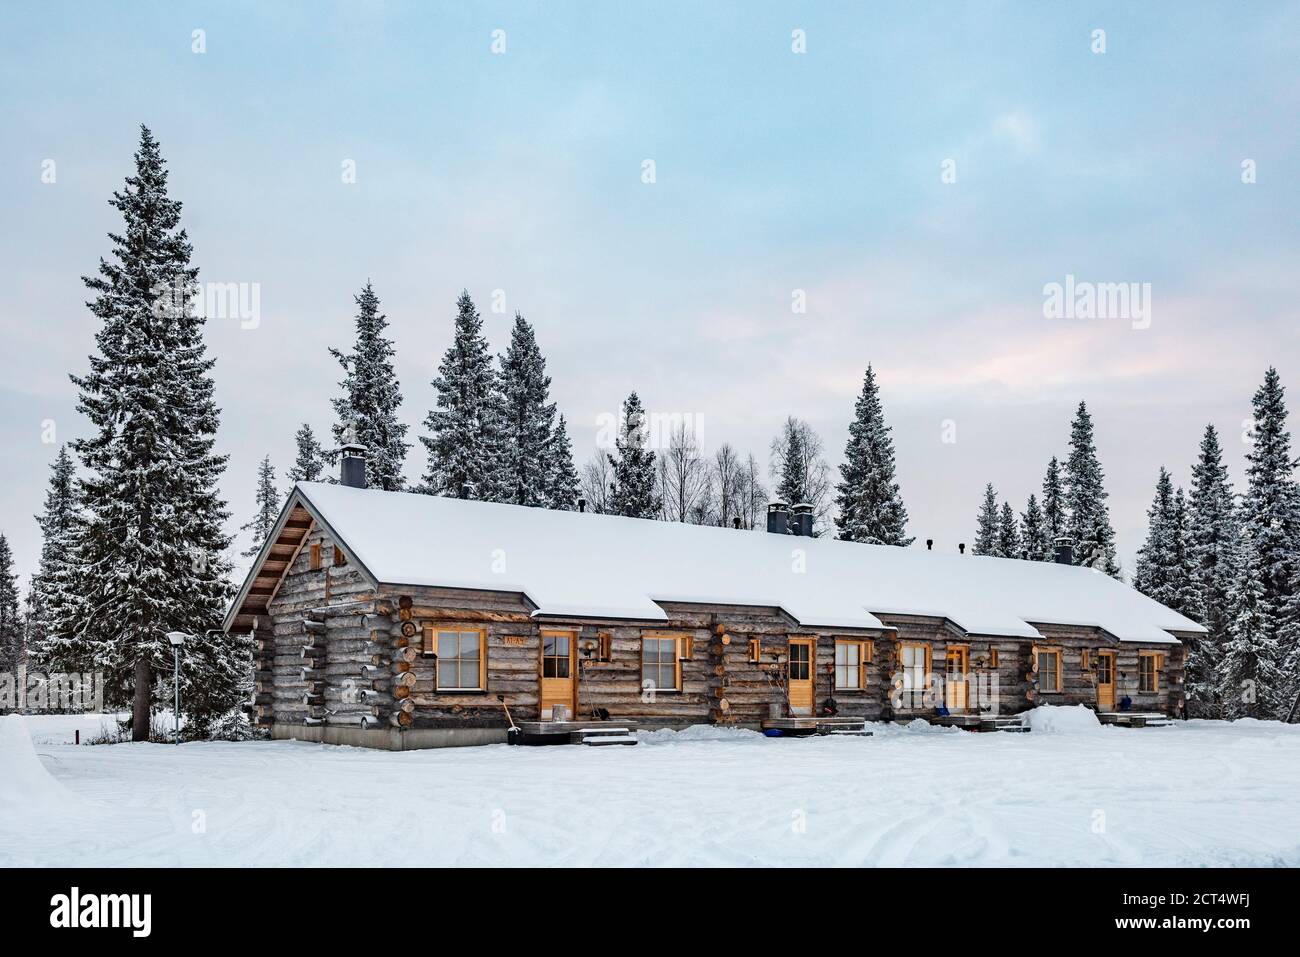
{"points": [[986, 524], [371, 395], [870, 504], [51, 595], [309, 465], [1153, 575], [1270, 518], [149, 555], [1212, 541], [1183, 591], [1054, 524], [1008, 533], [1250, 679], [464, 441], [1088, 521], [268, 508], [561, 475], [1033, 532], [527, 421], [632, 488], [799, 468], [12, 648]]}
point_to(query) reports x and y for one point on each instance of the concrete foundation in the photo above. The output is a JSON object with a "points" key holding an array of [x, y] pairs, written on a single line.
{"points": [[389, 739]]}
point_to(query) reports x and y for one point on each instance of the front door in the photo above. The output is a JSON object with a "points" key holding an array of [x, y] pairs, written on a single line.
{"points": [[956, 687], [800, 675], [559, 663], [1105, 681]]}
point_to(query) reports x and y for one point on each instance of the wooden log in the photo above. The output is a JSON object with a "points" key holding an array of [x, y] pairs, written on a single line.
{"points": [[404, 705], [405, 679], [407, 654], [314, 651], [401, 691], [400, 719], [310, 627], [402, 666], [404, 601], [408, 629]]}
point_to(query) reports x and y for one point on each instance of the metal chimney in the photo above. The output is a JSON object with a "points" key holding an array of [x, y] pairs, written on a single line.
{"points": [[778, 518], [352, 460], [1064, 552], [801, 519]]}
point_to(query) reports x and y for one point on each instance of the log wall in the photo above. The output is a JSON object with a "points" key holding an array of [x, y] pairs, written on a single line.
{"points": [[337, 651]]}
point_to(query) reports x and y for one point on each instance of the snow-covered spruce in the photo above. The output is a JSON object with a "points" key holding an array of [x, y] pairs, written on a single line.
{"points": [[870, 504], [49, 597], [267, 511], [309, 463], [986, 523], [1087, 515], [536, 456], [632, 477], [150, 555], [465, 439], [798, 465], [371, 395]]}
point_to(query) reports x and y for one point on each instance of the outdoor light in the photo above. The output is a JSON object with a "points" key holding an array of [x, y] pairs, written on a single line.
{"points": [[177, 638]]}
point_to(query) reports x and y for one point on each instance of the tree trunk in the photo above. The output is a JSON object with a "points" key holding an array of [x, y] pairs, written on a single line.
{"points": [[140, 707]]}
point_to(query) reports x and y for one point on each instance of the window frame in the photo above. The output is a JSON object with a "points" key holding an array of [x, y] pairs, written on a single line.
{"points": [[434, 629], [570, 635], [660, 661], [863, 646], [313, 556], [1155, 658], [1058, 676], [927, 664], [756, 651]]}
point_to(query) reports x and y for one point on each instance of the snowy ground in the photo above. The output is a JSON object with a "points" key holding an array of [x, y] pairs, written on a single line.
{"points": [[1196, 793]]}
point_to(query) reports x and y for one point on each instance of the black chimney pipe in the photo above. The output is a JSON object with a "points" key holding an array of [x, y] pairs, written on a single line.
{"points": [[735, 522], [1064, 553], [778, 518], [961, 547], [929, 544], [352, 461], [582, 504], [801, 519]]}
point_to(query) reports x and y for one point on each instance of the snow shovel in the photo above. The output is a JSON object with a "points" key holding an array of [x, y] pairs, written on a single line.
{"points": [[514, 735]]}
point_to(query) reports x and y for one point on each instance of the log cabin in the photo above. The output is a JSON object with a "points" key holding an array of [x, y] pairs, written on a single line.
{"points": [[400, 620]]}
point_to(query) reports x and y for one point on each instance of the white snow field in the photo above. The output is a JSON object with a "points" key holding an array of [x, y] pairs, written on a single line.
{"points": [[1070, 793]]}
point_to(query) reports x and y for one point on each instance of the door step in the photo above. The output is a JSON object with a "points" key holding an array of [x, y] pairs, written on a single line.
{"points": [[596, 737]]}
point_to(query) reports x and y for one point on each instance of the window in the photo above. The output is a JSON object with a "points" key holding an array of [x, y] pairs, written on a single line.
{"points": [[850, 665], [1105, 669], [315, 556], [604, 646], [557, 653], [1148, 673], [800, 661], [339, 557], [462, 659], [993, 657], [660, 668], [915, 663], [1049, 671], [756, 650], [687, 650], [1084, 661]]}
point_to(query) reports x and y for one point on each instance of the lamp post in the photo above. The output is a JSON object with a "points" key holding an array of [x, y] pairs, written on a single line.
{"points": [[177, 638]]}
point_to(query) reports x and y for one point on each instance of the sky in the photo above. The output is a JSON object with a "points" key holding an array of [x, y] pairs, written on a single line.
{"points": [[915, 173]]}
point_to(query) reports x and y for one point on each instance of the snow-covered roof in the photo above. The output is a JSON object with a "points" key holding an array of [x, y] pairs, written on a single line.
{"points": [[605, 566]]}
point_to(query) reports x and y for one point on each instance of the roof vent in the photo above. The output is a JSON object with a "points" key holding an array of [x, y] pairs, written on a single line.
{"points": [[1064, 552]]}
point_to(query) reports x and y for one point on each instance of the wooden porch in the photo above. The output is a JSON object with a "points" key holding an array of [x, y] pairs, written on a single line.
{"points": [[797, 727], [1135, 719]]}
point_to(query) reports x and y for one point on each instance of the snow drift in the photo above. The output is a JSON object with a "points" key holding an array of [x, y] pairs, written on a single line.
{"points": [[1053, 719], [24, 782]]}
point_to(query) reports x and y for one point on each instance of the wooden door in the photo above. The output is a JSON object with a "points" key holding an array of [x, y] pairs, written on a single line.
{"points": [[559, 670], [800, 675], [956, 687], [1105, 668]]}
